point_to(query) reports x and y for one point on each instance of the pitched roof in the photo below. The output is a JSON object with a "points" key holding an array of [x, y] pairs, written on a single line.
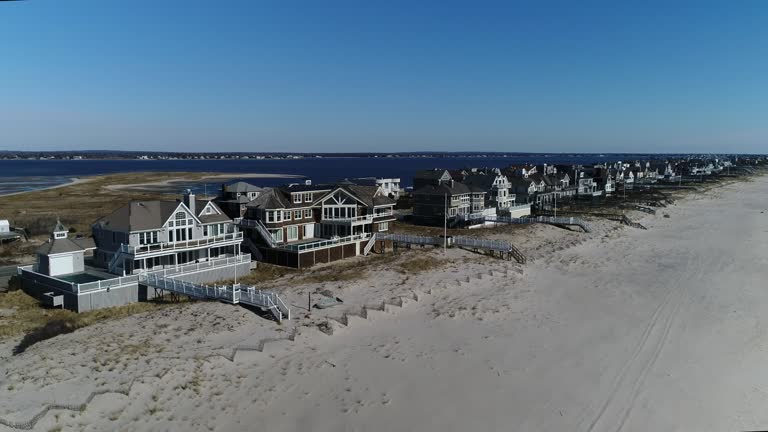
{"points": [[241, 186], [370, 195], [139, 216], [433, 174], [442, 189], [210, 218], [56, 246], [271, 199]]}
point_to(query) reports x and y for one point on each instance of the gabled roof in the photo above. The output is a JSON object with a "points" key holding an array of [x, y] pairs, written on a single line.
{"points": [[370, 195], [433, 174], [219, 216], [140, 216]]}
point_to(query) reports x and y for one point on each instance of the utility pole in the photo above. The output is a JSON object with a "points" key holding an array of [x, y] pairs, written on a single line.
{"points": [[445, 225], [555, 203]]}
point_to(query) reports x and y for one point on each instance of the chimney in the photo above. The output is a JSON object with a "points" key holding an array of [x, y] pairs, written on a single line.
{"points": [[189, 201]]}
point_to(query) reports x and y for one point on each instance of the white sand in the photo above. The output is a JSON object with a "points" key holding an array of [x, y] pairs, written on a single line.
{"points": [[621, 329], [168, 182]]}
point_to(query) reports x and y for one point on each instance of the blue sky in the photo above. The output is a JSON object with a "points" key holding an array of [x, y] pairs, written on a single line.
{"points": [[384, 76]]}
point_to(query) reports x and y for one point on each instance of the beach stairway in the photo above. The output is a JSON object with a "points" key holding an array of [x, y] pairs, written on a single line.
{"points": [[235, 294], [257, 225], [253, 249], [371, 243], [117, 262]]}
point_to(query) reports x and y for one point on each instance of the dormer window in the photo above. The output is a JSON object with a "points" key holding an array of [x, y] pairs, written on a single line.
{"points": [[296, 198], [60, 235]]}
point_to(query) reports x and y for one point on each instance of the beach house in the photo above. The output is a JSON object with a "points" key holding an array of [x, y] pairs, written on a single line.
{"points": [[302, 224], [183, 241], [145, 235]]}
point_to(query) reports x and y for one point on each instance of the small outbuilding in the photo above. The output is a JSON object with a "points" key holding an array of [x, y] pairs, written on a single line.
{"points": [[61, 255]]}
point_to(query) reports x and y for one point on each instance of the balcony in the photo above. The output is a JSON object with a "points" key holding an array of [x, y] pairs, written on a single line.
{"points": [[162, 248]]}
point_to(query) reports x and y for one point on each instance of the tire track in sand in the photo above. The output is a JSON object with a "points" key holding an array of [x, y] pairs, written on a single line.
{"points": [[625, 389]]}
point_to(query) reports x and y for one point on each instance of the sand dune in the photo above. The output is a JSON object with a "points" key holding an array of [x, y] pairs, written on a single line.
{"points": [[617, 330]]}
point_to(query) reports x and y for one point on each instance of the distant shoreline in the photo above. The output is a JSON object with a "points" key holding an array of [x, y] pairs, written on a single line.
{"points": [[72, 181], [169, 182]]}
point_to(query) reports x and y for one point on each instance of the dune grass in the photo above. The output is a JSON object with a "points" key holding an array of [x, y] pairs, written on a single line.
{"points": [[23, 315]]}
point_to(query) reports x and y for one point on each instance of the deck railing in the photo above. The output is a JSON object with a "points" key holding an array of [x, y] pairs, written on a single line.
{"points": [[363, 218], [324, 243], [163, 247]]}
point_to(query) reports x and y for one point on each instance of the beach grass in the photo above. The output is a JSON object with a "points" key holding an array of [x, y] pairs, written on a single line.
{"points": [[23, 315]]}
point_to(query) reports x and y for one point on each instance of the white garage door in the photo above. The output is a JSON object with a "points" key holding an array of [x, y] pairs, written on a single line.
{"points": [[309, 231], [61, 265]]}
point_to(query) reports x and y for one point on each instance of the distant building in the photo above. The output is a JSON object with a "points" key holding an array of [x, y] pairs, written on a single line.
{"points": [[234, 197], [390, 186]]}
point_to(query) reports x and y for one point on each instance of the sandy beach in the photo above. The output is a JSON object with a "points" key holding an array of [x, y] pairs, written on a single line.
{"points": [[72, 181], [619, 329], [216, 177]]}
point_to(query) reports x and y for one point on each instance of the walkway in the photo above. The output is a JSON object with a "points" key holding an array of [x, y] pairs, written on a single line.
{"points": [[264, 300]]}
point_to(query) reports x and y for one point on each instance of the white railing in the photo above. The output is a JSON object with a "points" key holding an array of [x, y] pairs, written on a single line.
{"points": [[261, 228], [480, 243], [266, 300], [371, 243], [106, 284], [163, 247], [204, 265], [324, 243], [363, 218], [411, 239]]}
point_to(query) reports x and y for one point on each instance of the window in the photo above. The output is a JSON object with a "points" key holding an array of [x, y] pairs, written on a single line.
{"points": [[277, 235], [296, 198], [383, 226], [270, 216], [60, 235], [307, 213], [293, 233], [307, 197], [170, 236], [297, 214], [180, 216], [287, 215]]}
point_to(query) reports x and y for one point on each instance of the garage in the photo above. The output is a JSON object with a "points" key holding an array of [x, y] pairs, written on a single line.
{"points": [[61, 265]]}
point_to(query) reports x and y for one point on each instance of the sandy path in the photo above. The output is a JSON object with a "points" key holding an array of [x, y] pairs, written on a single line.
{"points": [[630, 330]]}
